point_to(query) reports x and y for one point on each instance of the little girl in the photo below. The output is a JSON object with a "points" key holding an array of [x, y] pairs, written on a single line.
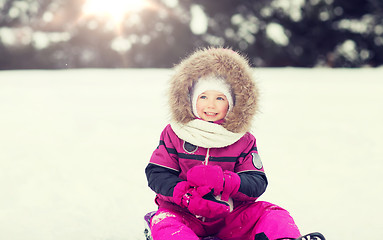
{"points": [[206, 171]]}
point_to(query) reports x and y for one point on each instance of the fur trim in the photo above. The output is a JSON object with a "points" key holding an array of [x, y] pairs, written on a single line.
{"points": [[221, 63]]}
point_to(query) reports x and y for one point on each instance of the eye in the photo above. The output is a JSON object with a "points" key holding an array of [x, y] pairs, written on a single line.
{"points": [[221, 98], [203, 97]]}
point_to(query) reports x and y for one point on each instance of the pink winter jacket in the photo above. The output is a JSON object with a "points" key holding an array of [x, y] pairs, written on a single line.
{"points": [[173, 158]]}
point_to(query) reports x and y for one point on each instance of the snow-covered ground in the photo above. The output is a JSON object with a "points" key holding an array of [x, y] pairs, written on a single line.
{"points": [[74, 145]]}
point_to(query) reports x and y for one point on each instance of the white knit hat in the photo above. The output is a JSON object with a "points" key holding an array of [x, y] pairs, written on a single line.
{"points": [[210, 83]]}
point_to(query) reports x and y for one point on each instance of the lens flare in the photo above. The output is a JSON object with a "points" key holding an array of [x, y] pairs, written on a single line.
{"points": [[114, 9]]}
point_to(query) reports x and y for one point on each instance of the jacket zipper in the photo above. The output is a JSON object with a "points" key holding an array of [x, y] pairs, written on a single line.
{"points": [[206, 163], [207, 156]]}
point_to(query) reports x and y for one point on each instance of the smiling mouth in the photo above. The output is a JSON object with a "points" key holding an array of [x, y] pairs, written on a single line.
{"points": [[211, 114]]}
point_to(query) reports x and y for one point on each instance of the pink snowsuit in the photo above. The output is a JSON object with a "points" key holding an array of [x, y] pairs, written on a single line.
{"points": [[169, 165]]}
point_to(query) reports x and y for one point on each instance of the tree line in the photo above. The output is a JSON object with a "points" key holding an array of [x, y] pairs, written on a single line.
{"points": [[55, 34]]}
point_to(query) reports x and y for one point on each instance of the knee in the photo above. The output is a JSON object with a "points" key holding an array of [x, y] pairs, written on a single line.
{"points": [[163, 219], [167, 225], [268, 207]]}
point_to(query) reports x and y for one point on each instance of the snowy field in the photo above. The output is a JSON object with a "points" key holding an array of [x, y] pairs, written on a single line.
{"points": [[74, 145]]}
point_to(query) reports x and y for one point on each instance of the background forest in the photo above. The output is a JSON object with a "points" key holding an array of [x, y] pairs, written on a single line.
{"points": [[60, 34]]}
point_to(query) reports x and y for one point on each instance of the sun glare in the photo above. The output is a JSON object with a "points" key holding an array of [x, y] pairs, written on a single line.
{"points": [[115, 9]]}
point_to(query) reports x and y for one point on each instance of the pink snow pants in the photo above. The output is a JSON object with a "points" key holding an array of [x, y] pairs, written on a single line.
{"points": [[243, 223]]}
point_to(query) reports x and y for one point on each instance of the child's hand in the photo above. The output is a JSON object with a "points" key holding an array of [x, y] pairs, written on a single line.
{"points": [[214, 178], [207, 176], [203, 203], [231, 185], [200, 201], [181, 193]]}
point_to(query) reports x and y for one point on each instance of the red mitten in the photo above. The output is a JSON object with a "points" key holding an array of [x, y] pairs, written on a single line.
{"points": [[181, 193], [203, 203], [199, 201], [207, 176], [231, 185]]}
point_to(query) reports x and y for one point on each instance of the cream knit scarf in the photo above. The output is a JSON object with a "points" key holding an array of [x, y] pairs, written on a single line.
{"points": [[205, 134]]}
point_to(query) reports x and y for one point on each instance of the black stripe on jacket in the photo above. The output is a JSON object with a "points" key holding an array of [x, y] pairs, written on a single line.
{"points": [[245, 154], [163, 180], [169, 150], [201, 157], [253, 183]]}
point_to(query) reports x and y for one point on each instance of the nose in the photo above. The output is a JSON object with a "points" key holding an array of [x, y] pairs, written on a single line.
{"points": [[211, 103]]}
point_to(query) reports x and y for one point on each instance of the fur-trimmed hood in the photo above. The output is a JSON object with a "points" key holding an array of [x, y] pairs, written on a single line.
{"points": [[218, 62]]}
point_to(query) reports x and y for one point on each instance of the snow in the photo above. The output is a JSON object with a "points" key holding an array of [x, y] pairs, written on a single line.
{"points": [[74, 145]]}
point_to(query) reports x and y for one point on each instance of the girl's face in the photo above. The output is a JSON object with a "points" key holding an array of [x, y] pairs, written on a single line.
{"points": [[212, 105]]}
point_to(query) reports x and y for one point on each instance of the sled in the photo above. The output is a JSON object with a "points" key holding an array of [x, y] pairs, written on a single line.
{"points": [[147, 218], [148, 234]]}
